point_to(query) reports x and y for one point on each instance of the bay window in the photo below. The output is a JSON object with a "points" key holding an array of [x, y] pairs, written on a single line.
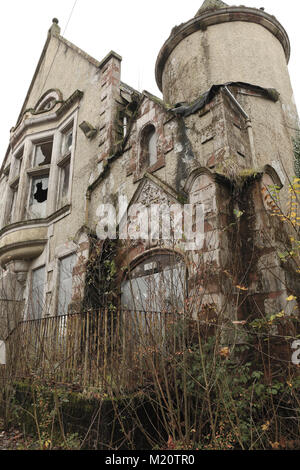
{"points": [[39, 174]]}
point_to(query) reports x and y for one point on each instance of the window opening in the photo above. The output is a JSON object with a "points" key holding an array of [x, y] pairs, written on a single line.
{"points": [[37, 293], [38, 197], [43, 154], [66, 266]]}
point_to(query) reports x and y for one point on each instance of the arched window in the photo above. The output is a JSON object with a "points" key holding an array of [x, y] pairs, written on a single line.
{"points": [[156, 284], [148, 156], [48, 101]]}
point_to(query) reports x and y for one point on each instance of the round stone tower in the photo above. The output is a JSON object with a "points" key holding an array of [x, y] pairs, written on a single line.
{"points": [[224, 44]]}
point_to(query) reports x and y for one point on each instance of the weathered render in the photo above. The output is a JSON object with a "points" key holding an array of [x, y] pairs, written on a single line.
{"points": [[221, 135]]}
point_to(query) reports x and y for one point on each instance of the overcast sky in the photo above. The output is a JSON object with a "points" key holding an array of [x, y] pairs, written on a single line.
{"points": [[135, 29]]}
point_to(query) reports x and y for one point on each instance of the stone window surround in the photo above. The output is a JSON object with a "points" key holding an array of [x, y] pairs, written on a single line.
{"points": [[53, 287], [154, 254], [61, 253], [160, 158], [28, 290], [55, 170]]}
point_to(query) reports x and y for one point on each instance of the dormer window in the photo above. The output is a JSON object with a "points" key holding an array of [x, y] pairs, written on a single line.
{"points": [[148, 156]]}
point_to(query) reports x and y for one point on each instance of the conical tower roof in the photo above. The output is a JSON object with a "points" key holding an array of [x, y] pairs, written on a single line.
{"points": [[211, 5]]}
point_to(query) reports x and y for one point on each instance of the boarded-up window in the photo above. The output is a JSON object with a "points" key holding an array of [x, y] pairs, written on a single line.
{"points": [[2, 353], [66, 266], [156, 285], [148, 156], [37, 293]]}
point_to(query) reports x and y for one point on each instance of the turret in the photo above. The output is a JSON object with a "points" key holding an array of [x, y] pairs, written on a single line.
{"points": [[224, 44]]}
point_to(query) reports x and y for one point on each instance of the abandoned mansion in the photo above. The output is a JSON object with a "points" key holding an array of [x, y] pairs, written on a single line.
{"points": [[91, 158]]}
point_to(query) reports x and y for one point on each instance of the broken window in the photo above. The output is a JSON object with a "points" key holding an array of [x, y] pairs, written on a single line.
{"points": [[36, 302], [38, 197], [43, 153], [66, 266]]}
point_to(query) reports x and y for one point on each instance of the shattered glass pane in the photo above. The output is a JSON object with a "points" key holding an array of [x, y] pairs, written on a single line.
{"points": [[38, 197], [43, 154]]}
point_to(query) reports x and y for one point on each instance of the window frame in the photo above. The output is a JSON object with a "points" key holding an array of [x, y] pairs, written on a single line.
{"points": [[64, 159], [29, 299], [144, 141], [61, 257], [151, 257]]}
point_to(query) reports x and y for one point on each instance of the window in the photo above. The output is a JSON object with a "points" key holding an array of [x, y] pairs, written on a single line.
{"points": [[155, 285], [65, 181], [43, 153], [49, 104], [65, 166], [16, 170], [39, 177], [67, 142], [48, 101], [66, 266], [36, 302], [148, 155], [12, 203], [37, 207]]}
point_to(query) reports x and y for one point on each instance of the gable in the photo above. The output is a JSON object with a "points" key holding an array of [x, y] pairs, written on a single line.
{"points": [[61, 66]]}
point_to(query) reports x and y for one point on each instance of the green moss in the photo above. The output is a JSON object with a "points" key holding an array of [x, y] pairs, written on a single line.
{"points": [[90, 415]]}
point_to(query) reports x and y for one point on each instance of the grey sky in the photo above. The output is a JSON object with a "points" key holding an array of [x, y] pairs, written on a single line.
{"points": [[135, 29]]}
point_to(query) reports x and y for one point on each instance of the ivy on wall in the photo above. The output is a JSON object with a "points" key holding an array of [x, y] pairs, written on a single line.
{"points": [[296, 142]]}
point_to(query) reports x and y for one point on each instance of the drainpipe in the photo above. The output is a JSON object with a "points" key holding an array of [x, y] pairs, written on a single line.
{"points": [[248, 124]]}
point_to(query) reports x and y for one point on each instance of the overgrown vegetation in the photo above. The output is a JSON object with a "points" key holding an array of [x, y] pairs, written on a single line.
{"points": [[297, 153], [200, 377]]}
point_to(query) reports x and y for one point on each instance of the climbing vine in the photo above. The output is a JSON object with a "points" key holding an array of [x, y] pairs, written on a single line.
{"points": [[296, 142]]}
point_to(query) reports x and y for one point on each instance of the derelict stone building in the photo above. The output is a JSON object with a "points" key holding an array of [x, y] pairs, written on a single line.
{"points": [[220, 137]]}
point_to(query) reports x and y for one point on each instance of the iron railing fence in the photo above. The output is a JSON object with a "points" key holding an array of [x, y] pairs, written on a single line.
{"points": [[104, 349]]}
